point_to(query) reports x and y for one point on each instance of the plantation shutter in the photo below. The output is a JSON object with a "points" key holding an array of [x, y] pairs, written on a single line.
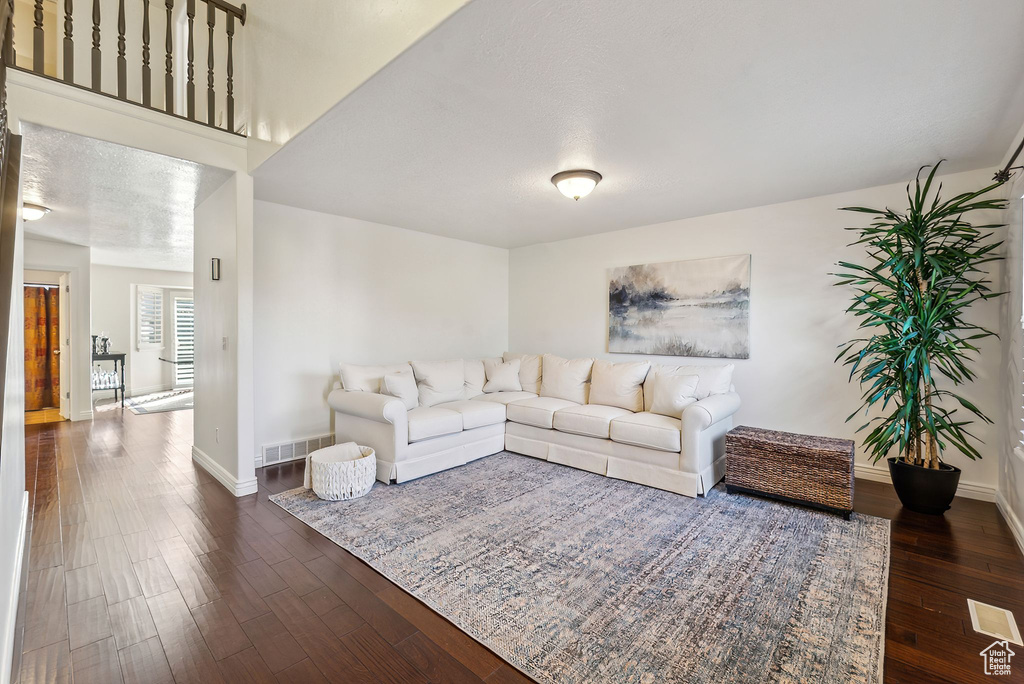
{"points": [[184, 340], [150, 317]]}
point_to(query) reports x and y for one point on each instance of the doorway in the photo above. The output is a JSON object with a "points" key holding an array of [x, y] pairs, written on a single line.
{"points": [[47, 347]]}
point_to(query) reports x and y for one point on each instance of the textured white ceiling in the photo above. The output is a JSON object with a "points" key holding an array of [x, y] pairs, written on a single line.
{"points": [[132, 207], [686, 108]]}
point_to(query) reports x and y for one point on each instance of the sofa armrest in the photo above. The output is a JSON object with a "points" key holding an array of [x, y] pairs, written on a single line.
{"points": [[703, 414], [704, 426], [377, 407]]}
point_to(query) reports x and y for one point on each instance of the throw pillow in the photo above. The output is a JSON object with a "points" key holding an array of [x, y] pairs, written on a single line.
{"points": [[619, 384], [368, 378], [502, 376], [565, 378], [401, 386], [712, 379], [529, 370], [440, 381], [673, 393]]}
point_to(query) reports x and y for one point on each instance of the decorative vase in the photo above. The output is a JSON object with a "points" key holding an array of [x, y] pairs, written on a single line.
{"points": [[924, 490]]}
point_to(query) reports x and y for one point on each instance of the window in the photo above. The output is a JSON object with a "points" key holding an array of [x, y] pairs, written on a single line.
{"points": [[184, 340], [150, 317]]}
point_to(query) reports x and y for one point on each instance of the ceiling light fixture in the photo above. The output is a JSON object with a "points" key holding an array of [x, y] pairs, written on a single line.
{"points": [[33, 212], [576, 184]]}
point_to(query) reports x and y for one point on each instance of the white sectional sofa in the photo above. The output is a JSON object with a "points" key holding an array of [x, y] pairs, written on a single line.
{"points": [[661, 426]]}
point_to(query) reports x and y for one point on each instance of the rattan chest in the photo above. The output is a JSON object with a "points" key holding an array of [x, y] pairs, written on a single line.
{"points": [[816, 471]]}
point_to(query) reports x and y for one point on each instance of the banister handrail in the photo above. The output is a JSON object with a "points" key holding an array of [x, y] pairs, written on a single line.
{"points": [[228, 8], [179, 105]]}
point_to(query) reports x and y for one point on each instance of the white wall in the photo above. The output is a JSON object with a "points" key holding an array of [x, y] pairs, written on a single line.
{"points": [[223, 427], [13, 498], [302, 58], [558, 304], [334, 289], [113, 314], [56, 256]]}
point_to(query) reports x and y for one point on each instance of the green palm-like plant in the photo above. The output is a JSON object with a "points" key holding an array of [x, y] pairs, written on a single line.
{"points": [[924, 270]]}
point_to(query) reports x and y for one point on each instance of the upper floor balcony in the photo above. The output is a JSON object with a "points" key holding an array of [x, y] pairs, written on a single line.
{"points": [[180, 57]]}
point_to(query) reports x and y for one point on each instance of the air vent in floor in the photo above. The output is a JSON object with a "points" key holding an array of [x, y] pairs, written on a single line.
{"points": [[993, 621], [272, 454]]}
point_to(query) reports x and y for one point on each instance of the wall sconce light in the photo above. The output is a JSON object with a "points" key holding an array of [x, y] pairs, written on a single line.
{"points": [[215, 269]]}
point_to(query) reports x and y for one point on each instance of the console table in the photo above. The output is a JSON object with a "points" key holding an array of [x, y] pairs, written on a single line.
{"points": [[116, 357]]}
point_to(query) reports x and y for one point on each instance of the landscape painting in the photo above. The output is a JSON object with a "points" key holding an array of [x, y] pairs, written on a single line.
{"points": [[681, 308]]}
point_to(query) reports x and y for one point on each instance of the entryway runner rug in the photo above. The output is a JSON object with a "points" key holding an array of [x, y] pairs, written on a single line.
{"points": [[574, 577], [159, 402]]}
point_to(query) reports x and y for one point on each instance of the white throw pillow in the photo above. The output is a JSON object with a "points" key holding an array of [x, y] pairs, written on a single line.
{"points": [[713, 379], [368, 378], [440, 381], [673, 393], [502, 376], [475, 377], [529, 370], [619, 384], [401, 386], [565, 378]]}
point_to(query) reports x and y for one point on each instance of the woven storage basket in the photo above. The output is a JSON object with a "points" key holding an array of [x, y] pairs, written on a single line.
{"points": [[336, 479], [817, 471]]}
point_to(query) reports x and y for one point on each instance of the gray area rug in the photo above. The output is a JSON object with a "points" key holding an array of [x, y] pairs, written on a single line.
{"points": [[574, 577]]}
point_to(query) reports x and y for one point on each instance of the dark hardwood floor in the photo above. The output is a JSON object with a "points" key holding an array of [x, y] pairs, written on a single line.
{"points": [[142, 568]]}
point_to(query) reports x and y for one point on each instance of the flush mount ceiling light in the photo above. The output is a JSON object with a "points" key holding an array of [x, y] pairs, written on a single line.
{"points": [[33, 212], [576, 184]]}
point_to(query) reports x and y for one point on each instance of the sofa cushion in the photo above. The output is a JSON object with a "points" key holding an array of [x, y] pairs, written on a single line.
{"points": [[565, 378], [673, 393], [440, 381], [502, 376], [505, 397], [530, 370], [619, 384], [539, 412], [430, 421], [401, 386], [648, 430], [712, 380], [476, 413], [355, 378], [591, 420]]}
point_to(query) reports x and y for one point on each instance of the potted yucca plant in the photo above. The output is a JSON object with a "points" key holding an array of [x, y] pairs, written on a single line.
{"points": [[923, 270]]}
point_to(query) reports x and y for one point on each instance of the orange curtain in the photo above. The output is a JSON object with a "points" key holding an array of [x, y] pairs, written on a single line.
{"points": [[42, 338]]}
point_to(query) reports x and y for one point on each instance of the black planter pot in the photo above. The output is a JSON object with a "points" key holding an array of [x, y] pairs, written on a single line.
{"points": [[924, 490]]}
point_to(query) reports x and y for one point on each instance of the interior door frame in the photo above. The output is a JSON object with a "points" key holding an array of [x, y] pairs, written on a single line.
{"points": [[62, 281], [64, 331], [81, 396]]}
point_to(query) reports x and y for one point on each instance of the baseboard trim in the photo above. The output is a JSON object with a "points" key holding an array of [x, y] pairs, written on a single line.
{"points": [[134, 392], [7, 658], [968, 490], [1011, 519], [236, 487], [82, 415]]}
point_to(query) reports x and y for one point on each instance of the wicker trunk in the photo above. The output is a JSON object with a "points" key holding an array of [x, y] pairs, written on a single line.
{"points": [[817, 471]]}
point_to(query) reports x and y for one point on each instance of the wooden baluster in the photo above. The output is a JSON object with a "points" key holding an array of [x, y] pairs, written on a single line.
{"points": [[211, 101], [37, 39], [169, 76], [69, 44], [190, 84], [96, 59], [147, 74], [231, 73], [122, 63]]}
